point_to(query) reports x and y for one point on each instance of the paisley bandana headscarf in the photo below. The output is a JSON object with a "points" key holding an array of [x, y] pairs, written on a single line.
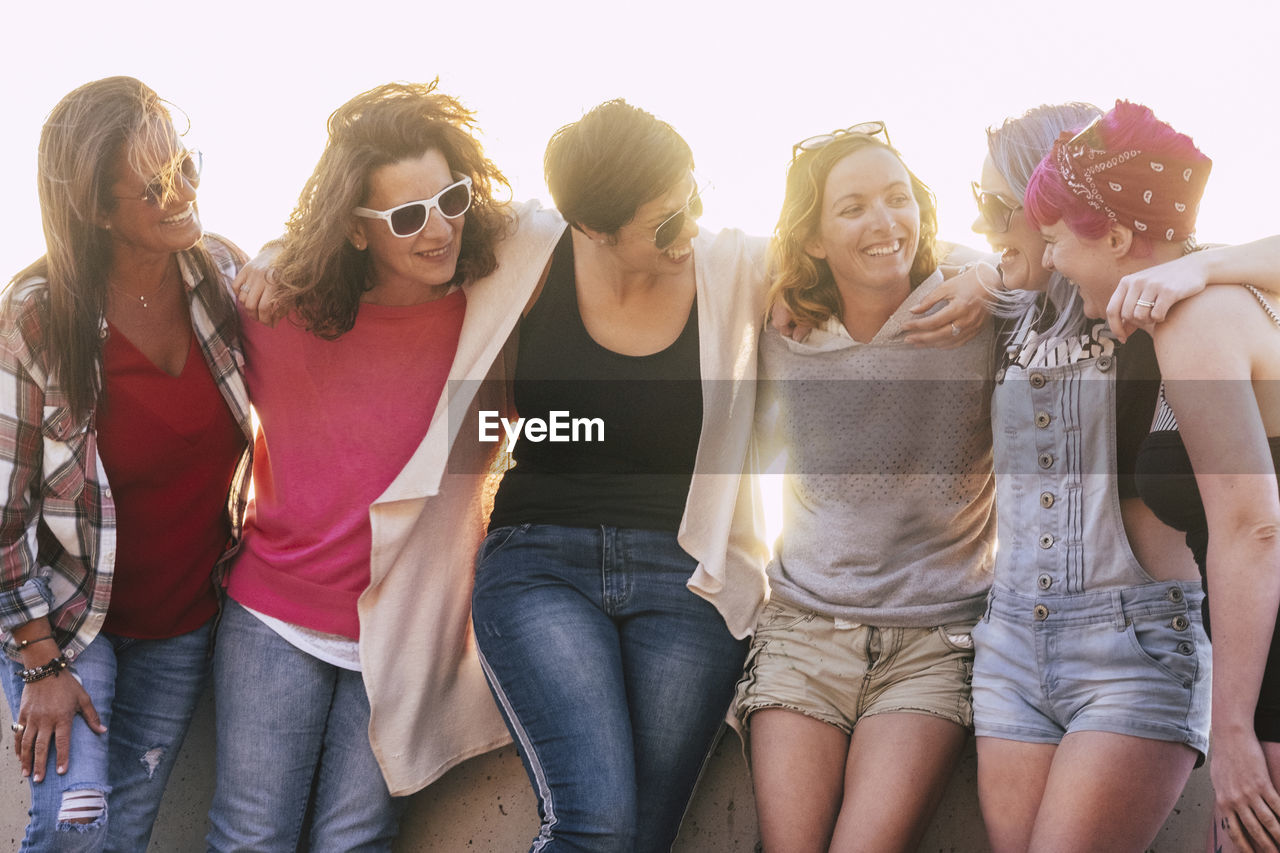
{"points": [[1155, 195]]}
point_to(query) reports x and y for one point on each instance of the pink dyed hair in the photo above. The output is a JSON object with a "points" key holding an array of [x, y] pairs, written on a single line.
{"points": [[1128, 126]]}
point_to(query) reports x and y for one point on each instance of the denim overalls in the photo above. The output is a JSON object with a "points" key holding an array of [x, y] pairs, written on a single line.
{"points": [[1077, 636]]}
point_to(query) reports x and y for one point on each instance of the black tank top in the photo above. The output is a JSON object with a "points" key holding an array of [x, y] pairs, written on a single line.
{"points": [[650, 407], [1167, 485]]}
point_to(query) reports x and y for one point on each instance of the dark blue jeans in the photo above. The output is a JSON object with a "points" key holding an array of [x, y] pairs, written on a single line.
{"points": [[612, 676]]}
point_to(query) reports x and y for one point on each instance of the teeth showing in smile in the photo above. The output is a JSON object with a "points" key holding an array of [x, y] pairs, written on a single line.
{"points": [[678, 254], [881, 249], [178, 217], [435, 253]]}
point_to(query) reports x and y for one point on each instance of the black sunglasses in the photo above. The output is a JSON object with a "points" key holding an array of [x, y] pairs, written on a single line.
{"points": [[994, 208], [164, 186], [406, 220], [667, 233]]}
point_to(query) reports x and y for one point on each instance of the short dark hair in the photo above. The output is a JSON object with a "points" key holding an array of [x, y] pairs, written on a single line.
{"points": [[603, 167]]}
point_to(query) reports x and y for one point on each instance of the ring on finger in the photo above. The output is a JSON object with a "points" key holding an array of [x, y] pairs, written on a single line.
{"points": [[1143, 303], [17, 728], [955, 330]]}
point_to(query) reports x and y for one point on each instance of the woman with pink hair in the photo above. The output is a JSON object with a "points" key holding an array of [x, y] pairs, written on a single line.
{"points": [[1113, 200], [1091, 652]]}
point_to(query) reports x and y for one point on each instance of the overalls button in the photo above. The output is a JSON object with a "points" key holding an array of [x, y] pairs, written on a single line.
{"points": [[1041, 612], [1104, 363], [1045, 460], [1186, 648], [1175, 594], [1037, 380], [1046, 541], [1044, 581], [1042, 419], [1046, 499], [1181, 623]]}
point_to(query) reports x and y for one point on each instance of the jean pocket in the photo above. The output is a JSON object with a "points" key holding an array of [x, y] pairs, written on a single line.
{"points": [[496, 541], [1167, 642]]}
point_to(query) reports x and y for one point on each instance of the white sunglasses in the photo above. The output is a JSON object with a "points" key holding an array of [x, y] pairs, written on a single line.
{"points": [[408, 219]]}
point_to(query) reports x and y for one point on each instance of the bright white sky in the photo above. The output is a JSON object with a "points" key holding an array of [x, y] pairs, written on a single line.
{"points": [[740, 80]]}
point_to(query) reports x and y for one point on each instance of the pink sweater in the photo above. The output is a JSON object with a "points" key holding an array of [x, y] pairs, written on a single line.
{"points": [[339, 420]]}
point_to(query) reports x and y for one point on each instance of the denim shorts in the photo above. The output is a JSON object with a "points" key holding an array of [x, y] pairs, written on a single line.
{"points": [[1130, 660], [805, 662]]}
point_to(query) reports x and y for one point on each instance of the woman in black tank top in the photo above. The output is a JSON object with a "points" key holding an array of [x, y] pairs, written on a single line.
{"points": [[612, 675], [1116, 199]]}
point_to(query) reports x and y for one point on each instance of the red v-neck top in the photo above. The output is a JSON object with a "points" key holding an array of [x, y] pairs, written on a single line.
{"points": [[169, 445]]}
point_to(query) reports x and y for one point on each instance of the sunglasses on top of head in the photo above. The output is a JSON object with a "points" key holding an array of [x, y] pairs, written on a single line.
{"points": [[669, 231], [995, 209], [164, 186], [408, 219], [866, 128]]}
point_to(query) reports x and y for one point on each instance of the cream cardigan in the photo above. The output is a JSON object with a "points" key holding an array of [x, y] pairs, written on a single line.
{"points": [[430, 705]]}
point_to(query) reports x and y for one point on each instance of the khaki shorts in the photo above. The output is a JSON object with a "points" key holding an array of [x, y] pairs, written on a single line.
{"points": [[838, 674]]}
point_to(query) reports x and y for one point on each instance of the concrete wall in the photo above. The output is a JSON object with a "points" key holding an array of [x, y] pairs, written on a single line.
{"points": [[487, 805]]}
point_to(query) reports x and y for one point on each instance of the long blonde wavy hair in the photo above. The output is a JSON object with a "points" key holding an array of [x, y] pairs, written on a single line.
{"points": [[80, 146]]}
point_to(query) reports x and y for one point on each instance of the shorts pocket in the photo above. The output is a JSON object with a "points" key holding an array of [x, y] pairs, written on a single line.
{"points": [[1167, 642], [958, 637], [781, 617]]}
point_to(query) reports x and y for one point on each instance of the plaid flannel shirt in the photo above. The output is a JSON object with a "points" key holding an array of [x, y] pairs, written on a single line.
{"points": [[58, 521]]}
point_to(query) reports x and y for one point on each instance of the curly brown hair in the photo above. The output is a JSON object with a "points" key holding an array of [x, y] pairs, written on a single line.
{"points": [[804, 283], [320, 275]]}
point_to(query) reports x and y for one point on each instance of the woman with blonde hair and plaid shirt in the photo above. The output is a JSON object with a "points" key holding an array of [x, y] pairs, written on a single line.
{"points": [[118, 358]]}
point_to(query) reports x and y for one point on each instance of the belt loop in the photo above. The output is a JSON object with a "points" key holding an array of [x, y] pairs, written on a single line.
{"points": [[1117, 609]]}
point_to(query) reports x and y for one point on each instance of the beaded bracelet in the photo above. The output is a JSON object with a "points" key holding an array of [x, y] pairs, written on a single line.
{"points": [[22, 644], [53, 667]]}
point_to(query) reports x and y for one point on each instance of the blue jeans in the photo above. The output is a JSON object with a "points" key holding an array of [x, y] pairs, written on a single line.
{"points": [[292, 730], [145, 692], [613, 677]]}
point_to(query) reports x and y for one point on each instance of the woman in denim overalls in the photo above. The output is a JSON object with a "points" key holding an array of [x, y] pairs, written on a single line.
{"points": [[1091, 681]]}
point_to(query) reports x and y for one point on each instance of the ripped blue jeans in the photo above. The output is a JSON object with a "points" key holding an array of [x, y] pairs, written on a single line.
{"points": [[145, 692]]}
